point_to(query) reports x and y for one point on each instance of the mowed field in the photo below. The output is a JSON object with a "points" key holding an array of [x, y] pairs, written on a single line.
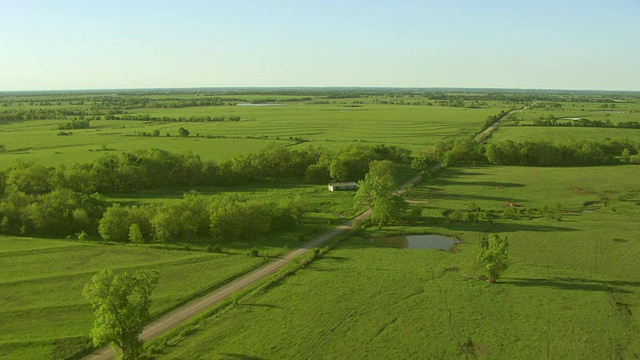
{"points": [[571, 290], [613, 111], [42, 282], [42, 303], [330, 125], [559, 134]]}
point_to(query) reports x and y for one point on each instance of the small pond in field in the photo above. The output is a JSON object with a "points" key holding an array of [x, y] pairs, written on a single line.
{"points": [[418, 241]]}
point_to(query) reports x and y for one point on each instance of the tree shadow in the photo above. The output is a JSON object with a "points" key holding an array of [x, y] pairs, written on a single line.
{"points": [[498, 227], [269, 306], [240, 356], [572, 284], [481, 198], [495, 184]]}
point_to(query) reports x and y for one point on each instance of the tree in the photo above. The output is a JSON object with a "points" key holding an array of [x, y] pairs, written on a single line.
{"points": [[376, 190], [493, 255], [121, 304], [183, 132]]}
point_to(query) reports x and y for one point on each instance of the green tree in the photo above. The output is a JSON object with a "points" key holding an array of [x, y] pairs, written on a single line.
{"points": [[135, 234], [183, 132], [376, 191], [121, 303], [494, 255]]}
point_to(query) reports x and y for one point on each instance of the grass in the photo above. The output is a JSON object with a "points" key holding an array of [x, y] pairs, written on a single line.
{"points": [[571, 290], [43, 279], [561, 134], [623, 111], [331, 125]]}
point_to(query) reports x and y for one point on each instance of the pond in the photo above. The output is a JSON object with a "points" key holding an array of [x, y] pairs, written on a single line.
{"points": [[418, 241]]}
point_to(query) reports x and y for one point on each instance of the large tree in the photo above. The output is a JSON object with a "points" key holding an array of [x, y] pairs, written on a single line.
{"points": [[121, 304], [376, 191], [493, 255]]}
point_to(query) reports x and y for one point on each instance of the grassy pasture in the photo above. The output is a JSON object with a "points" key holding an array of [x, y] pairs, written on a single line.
{"points": [[43, 279], [332, 125], [561, 134], [38, 141], [623, 111], [571, 291]]}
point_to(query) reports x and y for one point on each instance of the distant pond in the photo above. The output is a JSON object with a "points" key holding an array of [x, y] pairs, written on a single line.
{"points": [[418, 242]]}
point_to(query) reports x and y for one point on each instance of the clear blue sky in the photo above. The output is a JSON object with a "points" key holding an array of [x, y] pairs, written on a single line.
{"points": [[86, 44]]}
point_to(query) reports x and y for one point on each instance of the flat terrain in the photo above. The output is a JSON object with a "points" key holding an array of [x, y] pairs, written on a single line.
{"points": [[329, 125], [562, 134], [43, 279], [571, 290]]}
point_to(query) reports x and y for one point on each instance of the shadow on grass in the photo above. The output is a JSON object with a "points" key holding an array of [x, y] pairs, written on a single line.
{"points": [[262, 306], [495, 184], [480, 197], [240, 356], [573, 284], [499, 227]]}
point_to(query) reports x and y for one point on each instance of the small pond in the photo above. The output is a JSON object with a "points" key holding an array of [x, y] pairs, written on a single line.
{"points": [[418, 241]]}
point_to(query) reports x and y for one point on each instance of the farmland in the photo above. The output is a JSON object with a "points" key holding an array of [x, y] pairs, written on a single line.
{"points": [[571, 288], [332, 125]]}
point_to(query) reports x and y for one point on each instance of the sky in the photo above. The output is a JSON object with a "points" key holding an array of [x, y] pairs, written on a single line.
{"points": [[106, 44]]}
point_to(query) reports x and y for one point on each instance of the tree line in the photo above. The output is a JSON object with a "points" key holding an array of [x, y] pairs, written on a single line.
{"points": [[43, 200], [194, 118], [584, 122], [194, 216], [528, 153]]}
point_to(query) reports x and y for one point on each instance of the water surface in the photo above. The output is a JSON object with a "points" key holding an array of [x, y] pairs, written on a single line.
{"points": [[418, 241]]}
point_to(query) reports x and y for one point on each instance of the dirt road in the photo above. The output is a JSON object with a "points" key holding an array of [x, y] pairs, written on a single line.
{"points": [[484, 134]]}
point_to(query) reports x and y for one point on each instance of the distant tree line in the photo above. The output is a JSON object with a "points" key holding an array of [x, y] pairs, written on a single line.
{"points": [[583, 122], [75, 124], [194, 118], [528, 153]]}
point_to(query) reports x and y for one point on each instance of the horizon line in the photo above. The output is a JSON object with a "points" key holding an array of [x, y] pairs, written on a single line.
{"points": [[312, 87]]}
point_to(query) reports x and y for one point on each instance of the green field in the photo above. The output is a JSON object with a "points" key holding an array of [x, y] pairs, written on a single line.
{"points": [[329, 125], [562, 134], [42, 285], [46, 277], [571, 290], [613, 111]]}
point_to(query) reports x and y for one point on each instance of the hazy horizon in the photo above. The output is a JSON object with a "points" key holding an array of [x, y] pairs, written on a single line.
{"points": [[543, 45]]}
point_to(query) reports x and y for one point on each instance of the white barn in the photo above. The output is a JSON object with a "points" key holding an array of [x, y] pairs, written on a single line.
{"points": [[343, 186]]}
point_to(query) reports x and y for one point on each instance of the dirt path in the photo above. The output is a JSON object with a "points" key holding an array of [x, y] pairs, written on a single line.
{"points": [[198, 306], [485, 134]]}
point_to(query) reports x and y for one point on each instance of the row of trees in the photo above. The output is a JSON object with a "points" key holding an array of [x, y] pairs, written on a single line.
{"points": [[75, 124], [194, 118], [528, 153], [156, 168], [583, 122], [195, 216], [63, 212], [39, 199]]}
